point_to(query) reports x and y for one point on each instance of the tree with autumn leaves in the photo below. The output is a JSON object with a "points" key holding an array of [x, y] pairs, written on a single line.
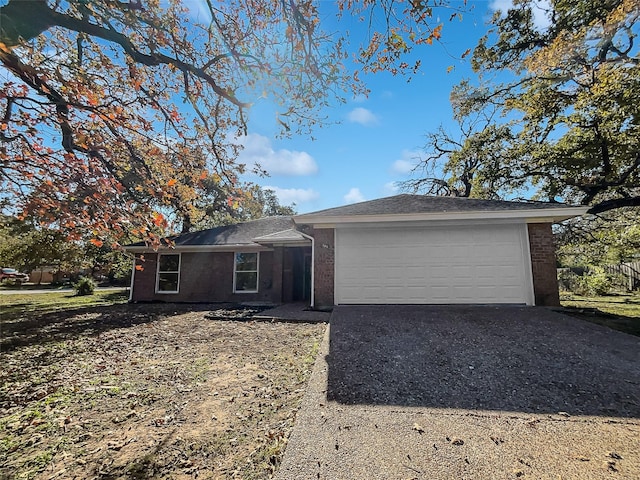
{"points": [[555, 109], [113, 113], [95, 129], [553, 114]]}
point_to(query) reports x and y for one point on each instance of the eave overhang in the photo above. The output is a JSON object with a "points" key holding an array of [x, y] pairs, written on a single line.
{"points": [[533, 215], [240, 247], [288, 238]]}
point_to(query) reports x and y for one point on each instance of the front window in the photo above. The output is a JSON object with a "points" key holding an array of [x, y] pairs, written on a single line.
{"points": [[168, 279], [245, 278]]}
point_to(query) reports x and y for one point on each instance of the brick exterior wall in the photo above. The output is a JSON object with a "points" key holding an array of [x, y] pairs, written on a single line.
{"points": [[208, 277], [144, 281], [324, 266], [543, 264]]}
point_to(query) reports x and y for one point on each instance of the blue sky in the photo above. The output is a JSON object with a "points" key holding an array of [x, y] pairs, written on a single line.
{"points": [[370, 143], [374, 141]]}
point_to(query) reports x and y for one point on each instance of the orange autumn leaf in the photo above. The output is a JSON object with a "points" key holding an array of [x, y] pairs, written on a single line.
{"points": [[97, 242], [113, 143], [437, 32], [158, 219]]}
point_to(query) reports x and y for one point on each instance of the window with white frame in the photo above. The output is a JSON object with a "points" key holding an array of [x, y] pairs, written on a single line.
{"points": [[168, 275], [245, 273]]}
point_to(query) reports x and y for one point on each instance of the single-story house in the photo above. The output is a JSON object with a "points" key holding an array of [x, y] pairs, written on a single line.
{"points": [[405, 249]]}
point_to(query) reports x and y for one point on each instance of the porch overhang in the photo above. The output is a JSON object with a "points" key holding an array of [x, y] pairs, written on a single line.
{"points": [[285, 238]]}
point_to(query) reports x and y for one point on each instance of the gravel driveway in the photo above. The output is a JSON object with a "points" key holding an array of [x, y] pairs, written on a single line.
{"points": [[408, 392]]}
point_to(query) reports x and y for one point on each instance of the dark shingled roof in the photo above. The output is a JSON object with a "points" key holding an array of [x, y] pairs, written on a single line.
{"points": [[238, 234], [415, 204], [245, 233]]}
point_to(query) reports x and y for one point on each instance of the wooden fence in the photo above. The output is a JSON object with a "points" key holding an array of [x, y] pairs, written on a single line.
{"points": [[631, 272]]}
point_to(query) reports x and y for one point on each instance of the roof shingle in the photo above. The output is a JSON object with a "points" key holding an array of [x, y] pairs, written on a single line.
{"points": [[237, 234], [416, 204]]}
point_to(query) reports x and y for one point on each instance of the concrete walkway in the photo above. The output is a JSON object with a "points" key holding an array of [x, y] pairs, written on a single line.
{"points": [[477, 393]]}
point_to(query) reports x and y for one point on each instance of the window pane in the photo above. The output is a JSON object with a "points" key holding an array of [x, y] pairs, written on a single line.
{"points": [[246, 262], [169, 263], [168, 282], [246, 281]]}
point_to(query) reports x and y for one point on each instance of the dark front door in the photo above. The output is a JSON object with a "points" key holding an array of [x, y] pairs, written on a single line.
{"points": [[301, 274]]}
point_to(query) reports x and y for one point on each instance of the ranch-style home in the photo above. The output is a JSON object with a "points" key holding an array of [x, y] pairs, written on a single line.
{"points": [[405, 249]]}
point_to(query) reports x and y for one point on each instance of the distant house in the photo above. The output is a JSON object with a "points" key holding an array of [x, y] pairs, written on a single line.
{"points": [[44, 274], [405, 249]]}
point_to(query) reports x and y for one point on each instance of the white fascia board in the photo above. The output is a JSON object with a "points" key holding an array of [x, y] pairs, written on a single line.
{"points": [[418, 223], [298, 243], [289, 235], [200, 248], [529, 216], [273, 240]]}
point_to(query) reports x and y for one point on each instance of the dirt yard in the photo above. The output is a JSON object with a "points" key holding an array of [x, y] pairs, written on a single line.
{"points": [[149, 391]]}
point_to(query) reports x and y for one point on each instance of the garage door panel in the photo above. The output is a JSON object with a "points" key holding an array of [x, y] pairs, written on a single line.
{"points": [[371, 291], [437, 271], [479, 264], [440, 293], [461, 271]]}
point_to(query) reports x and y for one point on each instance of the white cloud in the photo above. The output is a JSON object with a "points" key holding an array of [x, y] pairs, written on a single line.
{"points": [[502, 5], [258, 151], [363, 117], [354, 196], [391, 188], [402, 166], [287, 196], [406, 162], [198, 10], [539, 9]]}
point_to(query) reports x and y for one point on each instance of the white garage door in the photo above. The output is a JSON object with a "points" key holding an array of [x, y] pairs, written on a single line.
{"points": [[427, 265]]}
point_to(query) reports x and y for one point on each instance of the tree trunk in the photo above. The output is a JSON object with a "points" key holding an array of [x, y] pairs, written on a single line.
{"points": [[23, 20]]}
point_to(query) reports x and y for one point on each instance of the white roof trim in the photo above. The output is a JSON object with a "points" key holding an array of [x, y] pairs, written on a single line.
{"points": [[240, 247], [534, 215], [272, 239], [289, 236]]}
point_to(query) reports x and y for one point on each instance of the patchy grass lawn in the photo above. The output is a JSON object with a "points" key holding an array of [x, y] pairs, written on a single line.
{"points": [[145, 391], [13, 306], [620, 312], [5, 286]]}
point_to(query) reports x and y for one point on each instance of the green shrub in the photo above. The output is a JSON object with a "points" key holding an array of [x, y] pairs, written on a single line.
{"points": [[568, 280], [597, 282], [10, 282], [120, 272], [590, 281], [84, 286]]}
